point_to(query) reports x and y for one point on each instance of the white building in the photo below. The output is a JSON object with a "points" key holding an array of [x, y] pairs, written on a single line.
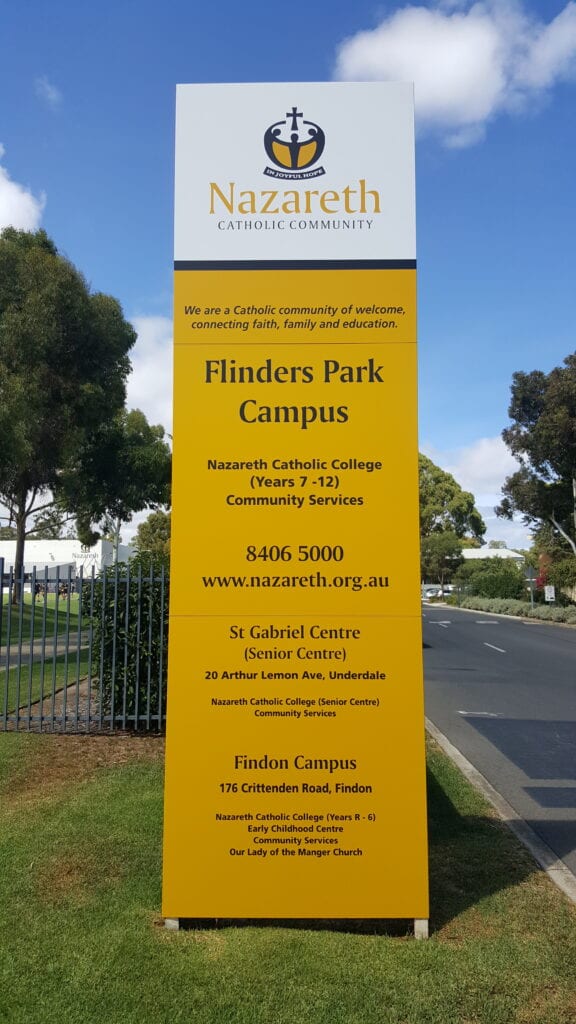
{"points": [[54, 557]]}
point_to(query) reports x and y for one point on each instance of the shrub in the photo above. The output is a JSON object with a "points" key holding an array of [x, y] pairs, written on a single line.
{"points": [[509, 606], [130, 642], [492, 577]]}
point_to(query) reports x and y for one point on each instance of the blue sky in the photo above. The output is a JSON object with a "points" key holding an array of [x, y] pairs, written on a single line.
{"points": [[86, 130]]}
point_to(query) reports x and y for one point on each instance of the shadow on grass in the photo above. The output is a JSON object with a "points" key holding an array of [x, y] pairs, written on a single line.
{"points": [[349, 926], [471, 857]]}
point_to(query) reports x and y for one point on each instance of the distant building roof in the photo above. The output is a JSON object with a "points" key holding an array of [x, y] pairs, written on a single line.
{"points": [[469, 554]]}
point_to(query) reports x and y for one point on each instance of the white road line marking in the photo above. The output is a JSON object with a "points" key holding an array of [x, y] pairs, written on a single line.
{"points": [[480, 714], [487, 622], [444, 623], [494, 648]]}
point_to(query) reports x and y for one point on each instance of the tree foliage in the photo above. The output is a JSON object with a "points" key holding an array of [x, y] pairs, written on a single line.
{"points": [[542, 436], [120, 468], [440, 556], [66, 438], [49, 525], [153, 537], [492, 577], [562, 574], [444, 505]]}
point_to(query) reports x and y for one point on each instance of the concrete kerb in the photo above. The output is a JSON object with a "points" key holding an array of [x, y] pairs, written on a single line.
{"points": [[544, 856]]}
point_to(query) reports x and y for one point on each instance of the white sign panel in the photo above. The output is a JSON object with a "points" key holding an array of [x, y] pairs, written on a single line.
{"points": [[290, 167]]}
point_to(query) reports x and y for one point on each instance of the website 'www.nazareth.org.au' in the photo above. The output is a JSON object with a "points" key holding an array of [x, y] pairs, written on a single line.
{"points": [[314, 580]]}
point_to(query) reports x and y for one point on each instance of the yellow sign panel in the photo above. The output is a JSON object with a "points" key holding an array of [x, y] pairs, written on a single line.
{"points": [[295, 757], [295, 789]]}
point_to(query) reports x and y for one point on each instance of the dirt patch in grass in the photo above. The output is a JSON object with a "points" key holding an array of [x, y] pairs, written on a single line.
{"points": [[58, 762], [61, 880], [214, 943], [73, 878], [548, 1002], [469, 923]]}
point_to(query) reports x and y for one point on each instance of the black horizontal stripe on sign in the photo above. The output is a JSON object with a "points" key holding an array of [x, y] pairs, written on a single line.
{"points": [[294, 264]]}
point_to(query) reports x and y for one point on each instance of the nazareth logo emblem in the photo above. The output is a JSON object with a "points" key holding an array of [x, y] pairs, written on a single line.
{"points": [[294, 145]]}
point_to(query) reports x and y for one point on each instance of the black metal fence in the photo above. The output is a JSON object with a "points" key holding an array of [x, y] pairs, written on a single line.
{"points": [[83, 653]]}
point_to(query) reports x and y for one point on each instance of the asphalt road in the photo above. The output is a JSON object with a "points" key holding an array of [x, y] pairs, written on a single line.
{"points": [[504, 693]]}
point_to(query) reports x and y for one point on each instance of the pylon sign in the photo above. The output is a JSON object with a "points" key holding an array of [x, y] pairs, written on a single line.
{"points": [[295, 742]]}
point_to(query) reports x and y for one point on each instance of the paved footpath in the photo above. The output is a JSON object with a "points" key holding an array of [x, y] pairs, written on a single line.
{"points": [[39, 650]]}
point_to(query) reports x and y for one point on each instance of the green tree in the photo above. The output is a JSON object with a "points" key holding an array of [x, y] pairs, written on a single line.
{"points": [[472, 542], [562, 574], [492, 577], [122, 467], [440, 556], [49, 525], [153, 536], [542, 436], [444, 505], [110, 530], [66, 438]]}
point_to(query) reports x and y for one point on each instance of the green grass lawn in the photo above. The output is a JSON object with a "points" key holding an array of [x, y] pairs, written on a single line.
{"points": [[82, 942], [36, 619], [28, 684]]}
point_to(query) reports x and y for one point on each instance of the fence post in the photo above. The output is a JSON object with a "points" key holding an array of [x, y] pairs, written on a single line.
{"points": [[162, 641], [126, 647], [90, 650], [136, 664], [5, 702], [114, 647], [43, 645], [31, 643], [1, 597], [20, 588]]}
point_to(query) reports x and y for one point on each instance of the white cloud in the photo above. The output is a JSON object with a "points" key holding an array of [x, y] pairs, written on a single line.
{"points": [[47, 92], [482, 468], [513, 532], [19, 208], [469, 62], [129, 530], [551, 52], [150, 383]]}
